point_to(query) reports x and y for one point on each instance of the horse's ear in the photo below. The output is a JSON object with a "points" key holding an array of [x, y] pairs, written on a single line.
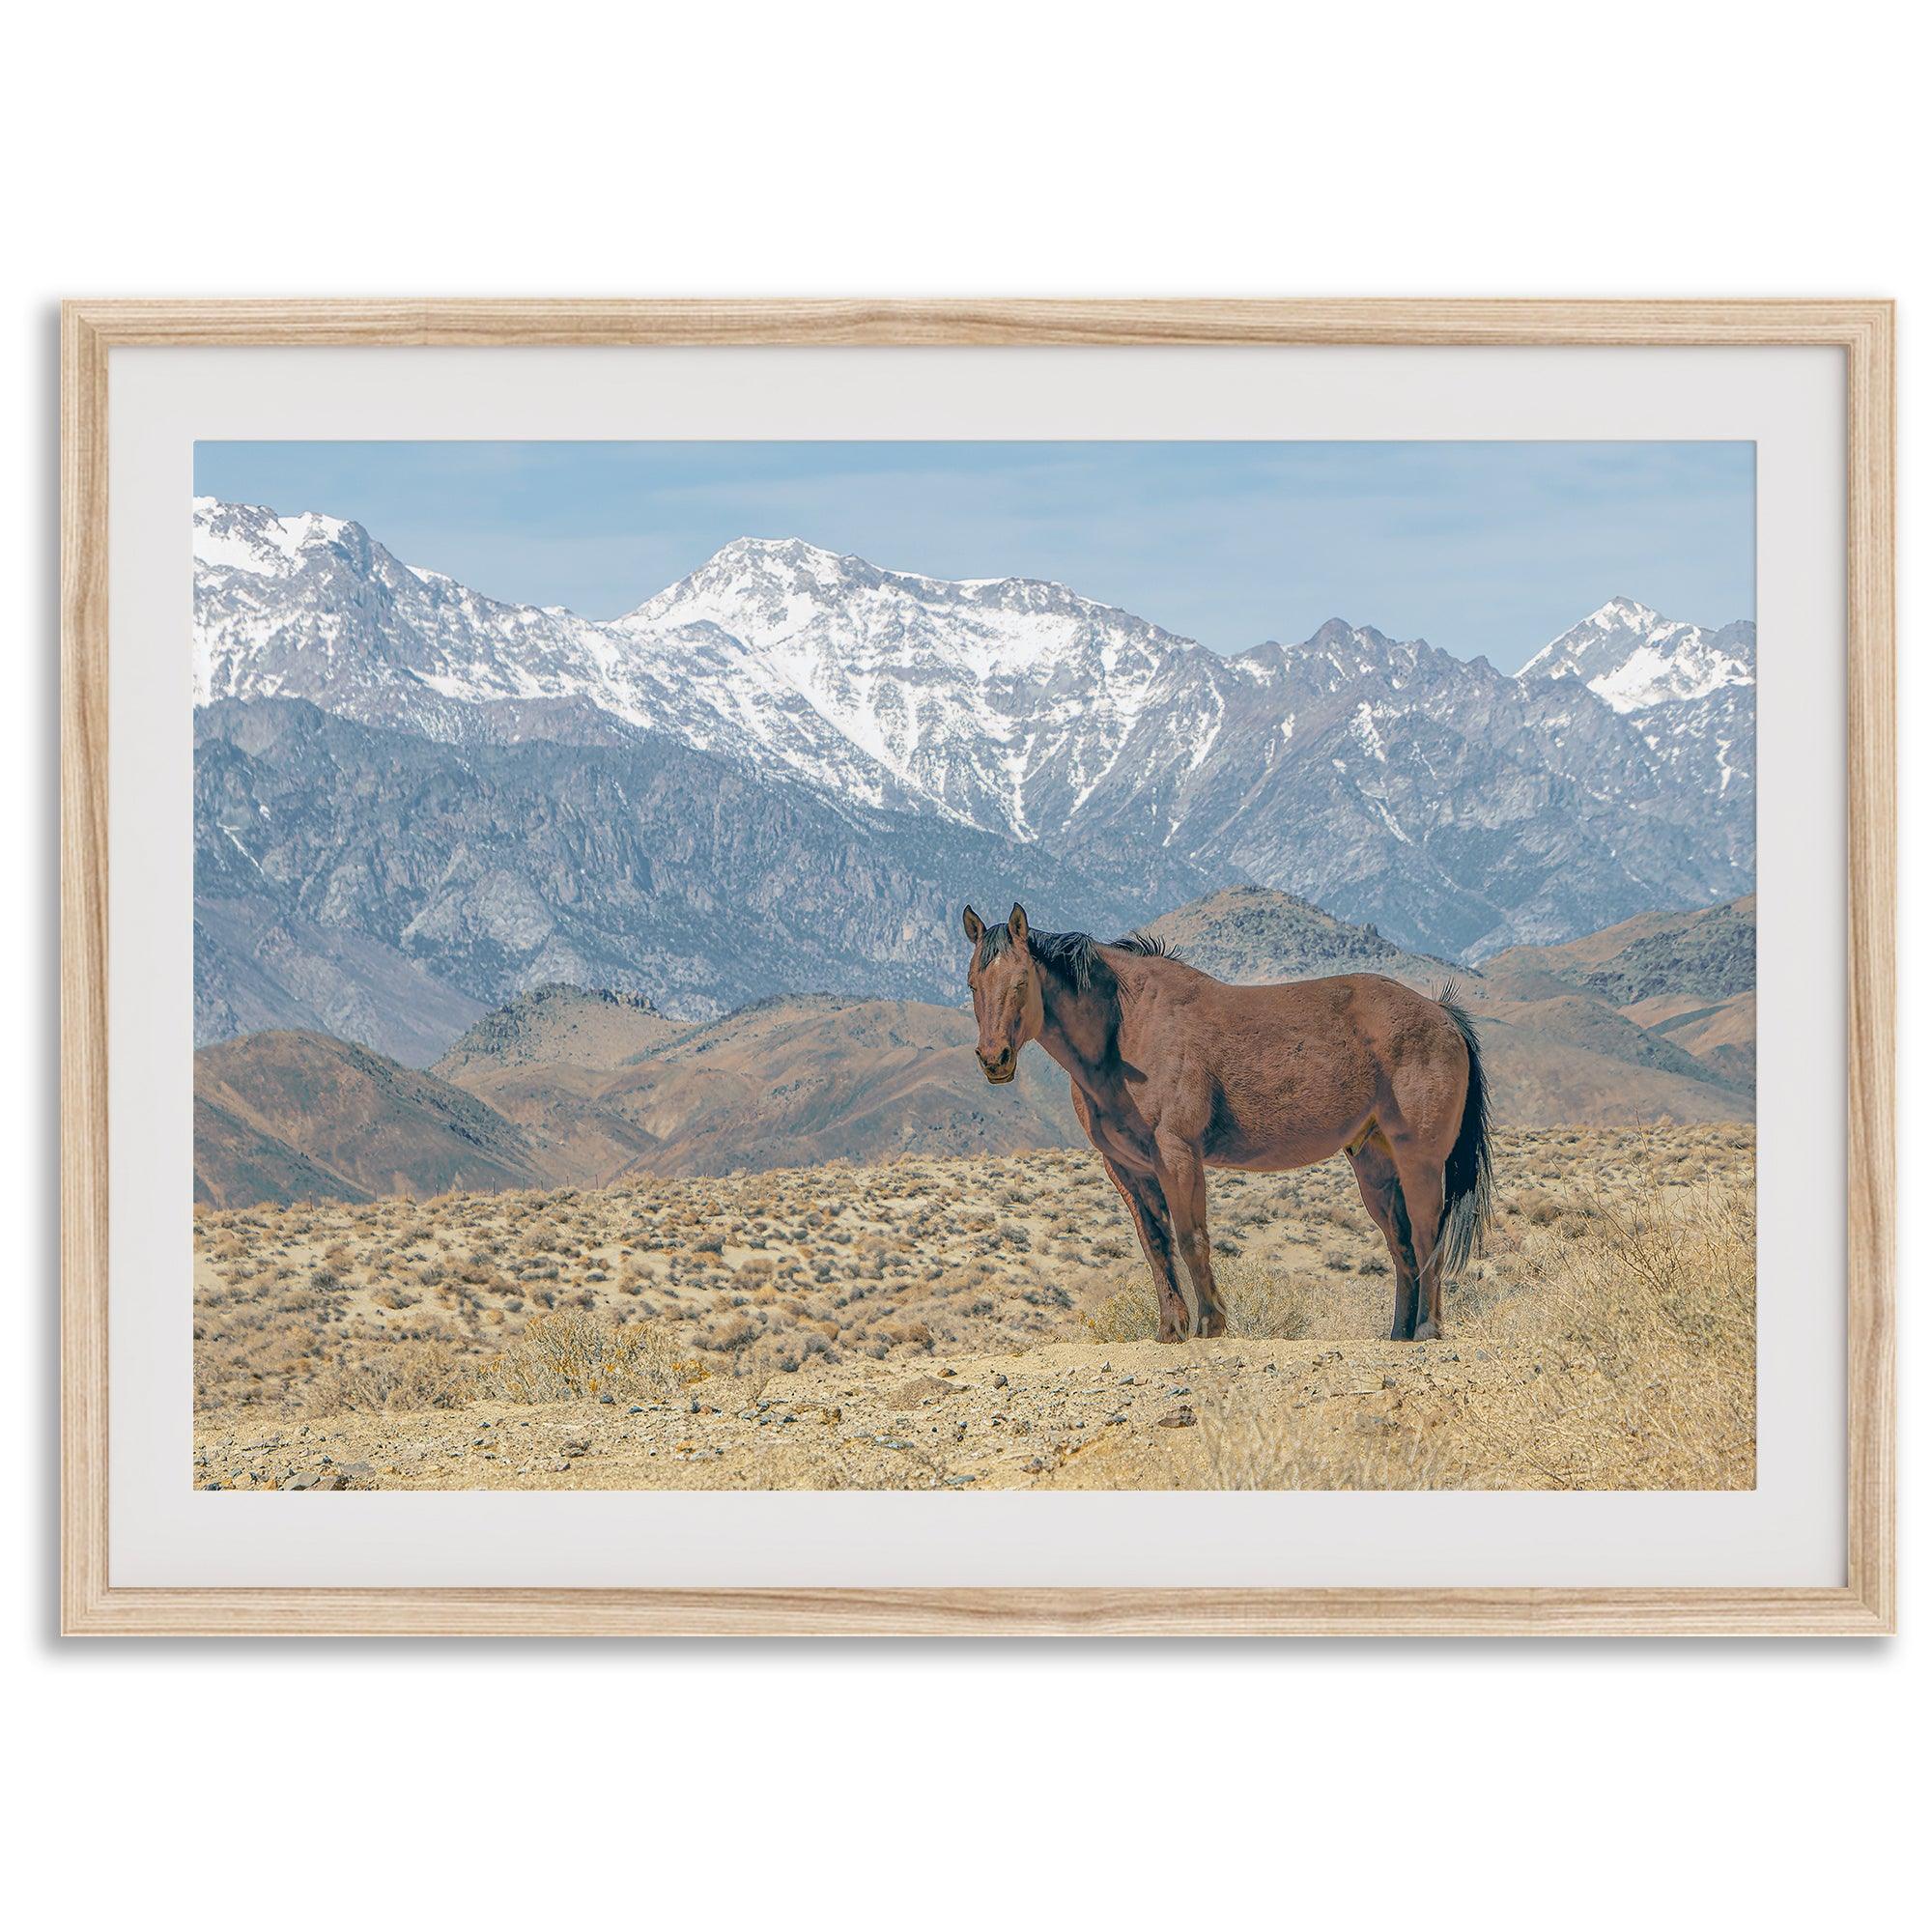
{"points": [[975, 926], [1017, 925]]}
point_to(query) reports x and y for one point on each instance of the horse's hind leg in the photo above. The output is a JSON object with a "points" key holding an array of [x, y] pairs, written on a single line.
{"points": [[1422, 1194], [1184, 1183], [1374, 1163], [1149, 1217]]}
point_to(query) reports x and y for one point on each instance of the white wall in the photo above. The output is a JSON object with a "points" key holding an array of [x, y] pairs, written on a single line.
{"points": [[1408, 149]]}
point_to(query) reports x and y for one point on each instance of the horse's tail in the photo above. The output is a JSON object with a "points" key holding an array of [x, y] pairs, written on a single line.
{"points": [[1467, 1175]]}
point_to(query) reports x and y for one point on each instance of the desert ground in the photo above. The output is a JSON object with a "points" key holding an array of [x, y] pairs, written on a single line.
{"points": [[982, 1322]]}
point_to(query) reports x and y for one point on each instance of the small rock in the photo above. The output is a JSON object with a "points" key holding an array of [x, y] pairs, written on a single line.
{"points": [[612, 1399], [299, 1482], [999, 1381], [1176, 1418]]}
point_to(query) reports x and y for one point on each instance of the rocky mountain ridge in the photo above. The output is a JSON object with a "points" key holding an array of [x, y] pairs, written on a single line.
{"points": [[1457, 809]]}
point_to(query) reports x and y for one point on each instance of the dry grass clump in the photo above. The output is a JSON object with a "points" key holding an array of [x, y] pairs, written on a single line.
{"points": [[1248, 1449], [1263, 1303], [1125, 1311], [1651, 1318], [573, 1356], [1268, 1304], [399, 1376]]}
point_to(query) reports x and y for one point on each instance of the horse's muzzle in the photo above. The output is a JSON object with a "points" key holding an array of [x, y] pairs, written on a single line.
{"points": [[1000, 1067]]}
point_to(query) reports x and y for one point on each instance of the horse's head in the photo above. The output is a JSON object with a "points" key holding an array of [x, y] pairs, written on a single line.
{"points": [[1005, 979]]}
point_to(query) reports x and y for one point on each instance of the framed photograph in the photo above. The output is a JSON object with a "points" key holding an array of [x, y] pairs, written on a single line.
{"points": [[998, 967]]}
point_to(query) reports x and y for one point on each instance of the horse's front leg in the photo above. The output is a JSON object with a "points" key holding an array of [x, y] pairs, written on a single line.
{"points": [[1184, 1184], [1149, 1217]]}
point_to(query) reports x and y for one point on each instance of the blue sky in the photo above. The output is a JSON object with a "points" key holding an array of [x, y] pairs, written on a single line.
{"points": [[1489, 548]]}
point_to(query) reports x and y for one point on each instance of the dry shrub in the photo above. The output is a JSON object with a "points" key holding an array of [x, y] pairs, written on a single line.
{"points": [[397, 1375], [575, 1356], [1123, 1310], [1263, 1304]]}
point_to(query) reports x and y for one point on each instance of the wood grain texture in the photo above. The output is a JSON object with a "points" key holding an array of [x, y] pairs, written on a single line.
{"points": [[1871, 975], [524, 322], [1862, 329], [83, 968], [967, 1612]]}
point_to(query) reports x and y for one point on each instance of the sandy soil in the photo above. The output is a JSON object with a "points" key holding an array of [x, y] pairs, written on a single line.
{"points": [[1072, 1415], [978, 1325]]}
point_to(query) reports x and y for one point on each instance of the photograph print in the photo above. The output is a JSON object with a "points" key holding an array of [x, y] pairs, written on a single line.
{"points": [[970, 966]]}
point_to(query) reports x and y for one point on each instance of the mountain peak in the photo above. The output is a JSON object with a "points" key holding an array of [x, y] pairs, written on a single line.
{"points": [[1336, 630], [1625, 613], [1633, 658], [775, 549], [257, 541]]}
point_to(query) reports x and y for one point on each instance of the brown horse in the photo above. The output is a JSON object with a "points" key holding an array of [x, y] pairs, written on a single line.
{"points": [[1174, 1072]]}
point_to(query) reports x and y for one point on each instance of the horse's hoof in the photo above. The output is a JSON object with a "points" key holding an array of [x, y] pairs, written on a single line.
{"points": [[1427, 1331]]}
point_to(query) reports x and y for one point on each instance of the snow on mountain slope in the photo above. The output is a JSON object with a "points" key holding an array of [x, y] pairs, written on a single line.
{"points": [[311, 607], [992, 700], [1633, 658], [983, 701]]}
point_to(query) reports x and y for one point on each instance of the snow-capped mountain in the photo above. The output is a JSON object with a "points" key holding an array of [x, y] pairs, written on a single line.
{"points": [[994, 703], [1634, 659], [998, 702], [1460, 808], [312, 607]]}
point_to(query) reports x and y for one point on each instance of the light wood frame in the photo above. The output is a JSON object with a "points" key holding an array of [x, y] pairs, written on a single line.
{"points": [[1865, 1605]]}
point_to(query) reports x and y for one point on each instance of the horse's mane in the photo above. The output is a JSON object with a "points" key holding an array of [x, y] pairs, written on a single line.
{"points": [[1076, 956]]}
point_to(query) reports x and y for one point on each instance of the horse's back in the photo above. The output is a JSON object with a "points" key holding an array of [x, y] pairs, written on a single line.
{"points": [[1369, 1002], [1293, 1071]]}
